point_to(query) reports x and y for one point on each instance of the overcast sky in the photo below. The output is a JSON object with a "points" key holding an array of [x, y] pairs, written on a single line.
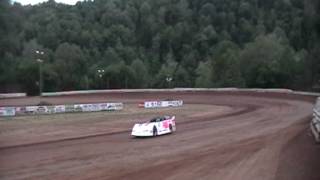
{"points": [[25, 2]]}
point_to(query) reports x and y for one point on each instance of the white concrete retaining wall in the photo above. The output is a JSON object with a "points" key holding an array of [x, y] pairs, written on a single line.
{"points": [[12, 95], [180, 90]]}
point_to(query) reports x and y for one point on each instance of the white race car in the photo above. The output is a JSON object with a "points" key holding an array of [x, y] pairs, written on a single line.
{"points": [[156, 126]]}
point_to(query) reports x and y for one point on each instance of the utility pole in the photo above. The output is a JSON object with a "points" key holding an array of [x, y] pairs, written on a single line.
{"points": [[40, 61], [169, 79]]}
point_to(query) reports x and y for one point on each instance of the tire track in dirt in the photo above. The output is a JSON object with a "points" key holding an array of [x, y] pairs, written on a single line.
{"points": [[199, 120]]}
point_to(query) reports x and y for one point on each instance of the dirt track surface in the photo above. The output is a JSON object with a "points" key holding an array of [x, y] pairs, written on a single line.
{"points": [[225, 136]]}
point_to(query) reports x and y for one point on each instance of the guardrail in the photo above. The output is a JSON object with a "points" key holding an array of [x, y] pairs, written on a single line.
{"points": [[315, 122], [29, 110]]}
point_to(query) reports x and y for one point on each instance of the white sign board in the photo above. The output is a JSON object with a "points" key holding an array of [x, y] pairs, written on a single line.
{"points": [[111, 106], [7, 111], [163, 104], [60, 109], [12, 111]]}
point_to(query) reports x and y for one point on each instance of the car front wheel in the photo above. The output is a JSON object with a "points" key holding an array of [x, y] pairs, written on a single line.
{"points": [[155, 131]]}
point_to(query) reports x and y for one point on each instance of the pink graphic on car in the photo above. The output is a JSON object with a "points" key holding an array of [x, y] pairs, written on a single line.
{"points": [[165, 124]]}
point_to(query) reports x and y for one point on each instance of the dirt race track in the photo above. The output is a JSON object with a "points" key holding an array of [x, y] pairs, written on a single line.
{"points": [[220, 136]]}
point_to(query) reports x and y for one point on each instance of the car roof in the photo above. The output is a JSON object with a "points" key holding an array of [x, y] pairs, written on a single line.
{"points": [[159, 118]]}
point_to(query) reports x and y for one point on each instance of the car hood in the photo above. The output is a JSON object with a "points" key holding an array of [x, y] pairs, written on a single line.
{"points": [[142, 126]]}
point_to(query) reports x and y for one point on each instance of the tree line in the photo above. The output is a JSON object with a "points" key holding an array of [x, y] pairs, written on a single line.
{"points": [[160, 44]]}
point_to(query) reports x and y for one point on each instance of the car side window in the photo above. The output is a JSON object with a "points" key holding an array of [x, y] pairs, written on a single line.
{"points": [[158, 119], [153, 120]]}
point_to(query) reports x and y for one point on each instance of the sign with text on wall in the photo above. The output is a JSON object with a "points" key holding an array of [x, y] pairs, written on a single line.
{"points": [[161, 104]]}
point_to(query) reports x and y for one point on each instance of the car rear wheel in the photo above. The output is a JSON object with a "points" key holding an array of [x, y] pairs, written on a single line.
{"points": [[155, 131], [170, 127]]}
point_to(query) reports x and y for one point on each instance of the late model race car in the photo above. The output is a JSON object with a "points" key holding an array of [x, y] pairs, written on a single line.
{"points": [[156, 126]]}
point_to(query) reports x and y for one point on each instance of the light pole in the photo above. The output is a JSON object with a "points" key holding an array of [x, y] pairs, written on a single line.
{"points": [[168, 79], [100, 74], [40, 61]]}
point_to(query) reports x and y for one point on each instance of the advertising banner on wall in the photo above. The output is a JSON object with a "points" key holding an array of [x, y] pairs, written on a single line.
{"points": [[59, 109], [28, 110], [42, 110], [104, 106], [78, 108], [7, 111], [21, 111], [175, 103], [70, 108], [31, 109], [88, 107], [152, 104], [162, 104], [111, 106]]}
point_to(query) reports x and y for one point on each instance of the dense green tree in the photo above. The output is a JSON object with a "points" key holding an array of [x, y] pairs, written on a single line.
{"points": [[225, 65], [268, 62], [28, 76], [204, 75], [28, 67], [166, 75], [70, 66], [141, 74], [182, 78], [119, 75], [217, 43]]}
